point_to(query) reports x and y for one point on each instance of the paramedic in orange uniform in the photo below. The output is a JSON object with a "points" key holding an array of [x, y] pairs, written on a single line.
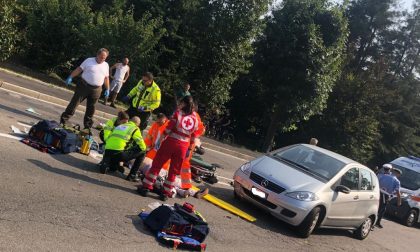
{"points": [[180, 134], [155, 131]]}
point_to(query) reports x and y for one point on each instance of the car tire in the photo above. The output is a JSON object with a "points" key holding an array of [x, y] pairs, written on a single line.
{"points": [[363, 231], [236, 196], [309, 224], [411, 218]]}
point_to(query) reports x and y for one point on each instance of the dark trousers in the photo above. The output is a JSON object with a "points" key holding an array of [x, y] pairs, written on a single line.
{"points": [[83, 91], [144, 116], [113, 158], [383, 202], [112, 96]]}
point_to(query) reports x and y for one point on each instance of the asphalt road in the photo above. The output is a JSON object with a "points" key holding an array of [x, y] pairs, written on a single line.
{"points": [[62, 203]]}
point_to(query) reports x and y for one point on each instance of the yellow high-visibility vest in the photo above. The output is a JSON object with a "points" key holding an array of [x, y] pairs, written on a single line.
{"points": [[122, 134]]}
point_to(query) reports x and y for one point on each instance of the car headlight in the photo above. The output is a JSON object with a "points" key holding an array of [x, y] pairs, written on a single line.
{"points": [[246, 168], [303, 196]]}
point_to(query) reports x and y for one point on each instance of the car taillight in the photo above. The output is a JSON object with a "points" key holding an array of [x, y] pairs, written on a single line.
{"points": [[415, 198]]}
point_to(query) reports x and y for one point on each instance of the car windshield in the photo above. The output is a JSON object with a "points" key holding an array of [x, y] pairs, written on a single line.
{"points": [[311, 161], [409, 179]]}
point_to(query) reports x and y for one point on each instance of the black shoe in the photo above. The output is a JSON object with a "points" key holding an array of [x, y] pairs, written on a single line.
{"points": [[378, 225], [121, 169], [132, 178], [143, 191], [163, 197], [103, 168], [113, 105]]}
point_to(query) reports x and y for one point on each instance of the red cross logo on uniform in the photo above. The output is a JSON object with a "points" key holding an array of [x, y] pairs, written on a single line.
{"points": [[187, 123]]}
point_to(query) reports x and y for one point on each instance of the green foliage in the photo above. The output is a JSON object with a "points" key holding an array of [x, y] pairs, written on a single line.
{"points": [[298, 60], [57, 32], [9, 33]]}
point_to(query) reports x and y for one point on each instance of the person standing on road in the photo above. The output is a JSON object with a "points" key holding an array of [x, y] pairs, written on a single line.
{"points": [[122, 72], [95, 73], [145, 97], [388, 185], [181, 131]]}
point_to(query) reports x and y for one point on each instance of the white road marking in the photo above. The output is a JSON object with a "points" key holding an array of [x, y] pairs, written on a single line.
{"points": [[24, 125], [11, 137], [227, 155], [223, 183], [228, 179], [58, 105]]}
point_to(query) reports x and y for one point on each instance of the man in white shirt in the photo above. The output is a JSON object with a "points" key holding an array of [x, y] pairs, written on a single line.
{"points": [[122, 72], [95, 73]]}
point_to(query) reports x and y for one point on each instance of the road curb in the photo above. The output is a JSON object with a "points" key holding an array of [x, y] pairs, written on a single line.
{"points": [[49, 98]]}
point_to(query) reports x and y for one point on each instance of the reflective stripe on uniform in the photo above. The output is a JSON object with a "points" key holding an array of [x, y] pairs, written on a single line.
{"points": [[147, 182], [169, 183], [123, 137], [179, 137], [185, 170], [152, 176]]}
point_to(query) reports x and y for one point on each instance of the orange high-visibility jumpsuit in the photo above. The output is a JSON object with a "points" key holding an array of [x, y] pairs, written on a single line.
{"points": [[153, 134]]}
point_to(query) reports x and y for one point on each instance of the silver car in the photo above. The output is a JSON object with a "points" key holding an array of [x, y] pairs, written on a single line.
{"points": [[309, 187]]}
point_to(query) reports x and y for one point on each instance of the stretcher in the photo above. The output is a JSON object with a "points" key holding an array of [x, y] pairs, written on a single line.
{"points": [[202, 170], [226, 206]]}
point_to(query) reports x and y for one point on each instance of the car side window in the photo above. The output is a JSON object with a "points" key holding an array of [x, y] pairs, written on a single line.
{"points": [[351, 179], [365, 180]]}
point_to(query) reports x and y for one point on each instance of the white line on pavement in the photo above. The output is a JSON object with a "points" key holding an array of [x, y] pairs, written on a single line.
{"points": [[227, 155], [24, 125], [228, 179], [28, 96], [223, 183], [11, 137]]}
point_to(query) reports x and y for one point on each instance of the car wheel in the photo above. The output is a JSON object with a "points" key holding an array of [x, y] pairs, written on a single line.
{"points": [[235, 195], [363, 231], [309, 224], [411, 218]]}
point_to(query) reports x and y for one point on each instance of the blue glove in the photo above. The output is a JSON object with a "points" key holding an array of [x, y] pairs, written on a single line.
{"points": [[157, 145], [125, 99], [141, 109], [69, 80], [188, 153], [106, 93]]}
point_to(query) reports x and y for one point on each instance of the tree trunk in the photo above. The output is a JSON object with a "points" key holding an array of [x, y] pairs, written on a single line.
{"points": [[271, 130]]}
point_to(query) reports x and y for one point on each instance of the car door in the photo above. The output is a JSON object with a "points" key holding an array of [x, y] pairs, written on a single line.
{"points": [[343, 206], [367, 196]]}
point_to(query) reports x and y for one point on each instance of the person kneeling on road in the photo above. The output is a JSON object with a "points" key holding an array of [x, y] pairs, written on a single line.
{"points": [[118, 148], [110, 125]]}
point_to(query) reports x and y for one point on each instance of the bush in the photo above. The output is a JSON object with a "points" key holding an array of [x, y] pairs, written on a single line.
{"points": [[57, 32], [9, 33]]}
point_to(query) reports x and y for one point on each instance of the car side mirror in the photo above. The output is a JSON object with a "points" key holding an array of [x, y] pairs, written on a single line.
{"points": [[343, 189]]}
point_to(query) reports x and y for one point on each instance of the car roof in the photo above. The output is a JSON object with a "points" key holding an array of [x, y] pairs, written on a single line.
{"points": [[409, 163], [337, 156]]}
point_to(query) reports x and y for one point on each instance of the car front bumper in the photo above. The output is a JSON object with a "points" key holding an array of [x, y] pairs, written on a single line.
{"points": [[280, 206]]}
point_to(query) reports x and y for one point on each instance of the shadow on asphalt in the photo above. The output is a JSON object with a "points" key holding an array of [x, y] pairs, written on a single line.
{"points": [[20, 112], [266, 220], [78, 176]]}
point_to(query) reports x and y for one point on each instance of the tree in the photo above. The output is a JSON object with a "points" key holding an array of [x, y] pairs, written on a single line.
{"points": [[208, 43], [57, 32], [9, 33], [298, 61]]}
